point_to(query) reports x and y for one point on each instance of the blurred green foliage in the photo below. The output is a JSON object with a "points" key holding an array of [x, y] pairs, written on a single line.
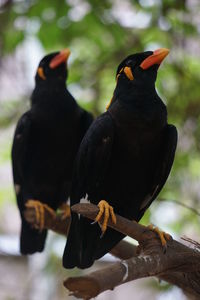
{"points": [[100, 33]]}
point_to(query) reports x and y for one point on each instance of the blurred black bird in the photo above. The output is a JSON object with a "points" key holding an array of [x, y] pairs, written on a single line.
{"points": [[45, 143], [124, 159]]}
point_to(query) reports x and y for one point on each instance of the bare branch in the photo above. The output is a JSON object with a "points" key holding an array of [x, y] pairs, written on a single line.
{"points": [[191, 241], [124, 250], [108, 278], [180, 265], [59, 225], [147, 239]]}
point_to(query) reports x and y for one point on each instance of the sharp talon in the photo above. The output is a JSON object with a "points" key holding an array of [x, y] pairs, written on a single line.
{"points": [[102, 234], [163, 236], [41, 225], [39, 212], [35, 205], [151, 227], [101, 206], [93, 223], [50, 210], [113, 217], [164, 249], [106, 210], [168, 236], [65, 211]]}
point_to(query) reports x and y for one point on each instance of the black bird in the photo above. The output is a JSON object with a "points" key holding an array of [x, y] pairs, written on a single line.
{"points": [[45, 143], [124, 159]]}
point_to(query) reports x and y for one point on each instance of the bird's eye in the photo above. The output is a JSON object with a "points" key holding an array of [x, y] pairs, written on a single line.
{"points": [[129, 62]]}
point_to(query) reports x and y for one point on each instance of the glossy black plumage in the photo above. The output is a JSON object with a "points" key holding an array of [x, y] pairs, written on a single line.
{"points": [[45, 143], [124, 158]]}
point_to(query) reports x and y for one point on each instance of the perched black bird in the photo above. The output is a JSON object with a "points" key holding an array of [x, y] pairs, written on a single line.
{"points": [[45, 143], [124, 159]]}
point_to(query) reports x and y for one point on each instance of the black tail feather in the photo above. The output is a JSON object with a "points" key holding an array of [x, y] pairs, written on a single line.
{"points": [[84, 244], [79, 250], [110, 239], [70, 255], [72, 252], [31, 240]]}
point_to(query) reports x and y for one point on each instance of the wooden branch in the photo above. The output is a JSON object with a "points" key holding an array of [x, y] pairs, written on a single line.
{"points": [[180, 265], [108, 278], [58, 224], [177, 266], [124, 250], [146, 238]]}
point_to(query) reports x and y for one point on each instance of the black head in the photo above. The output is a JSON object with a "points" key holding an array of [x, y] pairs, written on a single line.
{"points": [[141, 68], [53, 68], [137, 73]]}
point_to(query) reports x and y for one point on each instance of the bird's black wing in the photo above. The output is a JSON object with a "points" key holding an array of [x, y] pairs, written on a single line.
{"points": [[19, 149], [92, 158], [31, 240], [90, 167], [86, 120], [163, 167]]}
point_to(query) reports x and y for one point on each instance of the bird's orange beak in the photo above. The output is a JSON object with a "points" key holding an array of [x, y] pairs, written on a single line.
{"points": [[59, 58], [155, 59]]}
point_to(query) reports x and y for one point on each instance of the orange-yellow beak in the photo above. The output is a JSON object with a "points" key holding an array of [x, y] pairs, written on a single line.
{"points": [[59, 58], [155, 59]]}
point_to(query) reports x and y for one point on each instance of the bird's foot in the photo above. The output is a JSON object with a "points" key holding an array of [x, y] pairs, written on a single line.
{"points": [[106, 210], [40, 212], [65, 211], [163, 236]]}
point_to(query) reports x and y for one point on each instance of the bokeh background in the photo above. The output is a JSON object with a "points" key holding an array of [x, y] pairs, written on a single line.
{"points": [[100, 33]]}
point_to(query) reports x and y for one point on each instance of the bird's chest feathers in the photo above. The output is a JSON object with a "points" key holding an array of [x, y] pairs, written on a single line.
{"points": [[136, 136], [131, 142], [51, 115], [137, 127]]}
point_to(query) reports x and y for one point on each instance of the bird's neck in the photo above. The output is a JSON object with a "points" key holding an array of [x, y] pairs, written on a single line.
{"points": [[45, 94], [136, 94], [50, 85], [138, 108]]}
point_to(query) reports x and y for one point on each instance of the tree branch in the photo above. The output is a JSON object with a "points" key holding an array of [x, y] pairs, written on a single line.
{"points": [[147, 239], [180, 265], [108, 278], [59, 225]]}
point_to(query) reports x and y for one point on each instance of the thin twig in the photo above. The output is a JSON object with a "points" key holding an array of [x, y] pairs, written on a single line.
{"points": [[192, 209], [191, 241]]}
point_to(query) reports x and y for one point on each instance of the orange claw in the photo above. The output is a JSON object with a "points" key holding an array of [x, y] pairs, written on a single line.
{"points": [[106, 210], [39, 212], [163, 236], [65, 211]]}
